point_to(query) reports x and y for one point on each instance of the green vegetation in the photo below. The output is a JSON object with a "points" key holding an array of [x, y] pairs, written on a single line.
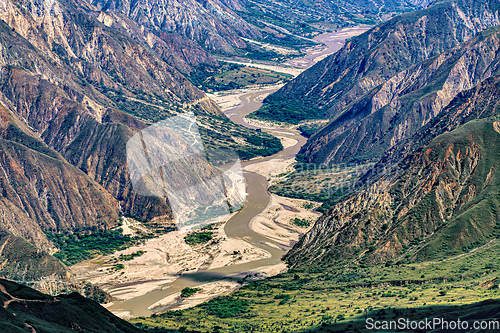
{"points": [[257, 52], [320, 184], [335, 297], [217, 132], [303, 223], [24, 262], [220, 133], [118, 267], [143, 105], [127, 257], [187, 292], [198, 238], [226, 307], [308, 130], [291, 112], [308, 205], [255, 15], [87, 244], [234, 76]]}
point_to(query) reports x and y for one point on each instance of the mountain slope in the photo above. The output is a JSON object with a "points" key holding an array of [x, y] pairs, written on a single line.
{"points": [[73, 90], [302, 17], [341, 86], [426, 202], [377, 55], [212, 24], [27, 310], [41, 191], [230, 27], [481, 102], [396, 109]]}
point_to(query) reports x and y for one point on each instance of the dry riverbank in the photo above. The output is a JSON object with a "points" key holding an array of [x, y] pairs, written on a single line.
{"points": [[150, 282], [248, 244]]}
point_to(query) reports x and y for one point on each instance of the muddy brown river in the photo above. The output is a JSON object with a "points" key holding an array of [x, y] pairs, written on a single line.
{"points": [[257, 200], [236, 227]]}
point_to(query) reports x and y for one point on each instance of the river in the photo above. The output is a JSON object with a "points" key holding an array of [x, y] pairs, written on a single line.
{"points": [[257, 199], [237, 226]]}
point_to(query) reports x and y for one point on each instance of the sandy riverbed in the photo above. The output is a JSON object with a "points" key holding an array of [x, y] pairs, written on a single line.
{"points": [[228, 100], [168, 256], [164, 259], [276, 220]]}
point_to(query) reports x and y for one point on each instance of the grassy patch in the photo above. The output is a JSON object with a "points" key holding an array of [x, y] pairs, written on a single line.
{"points": [[187, 292], [198, 238], [304, 300], [220, 133], [217, 132], [82, 245], [291, 112], [308, 205], [314, 183], [233, 76], [226, 307]]}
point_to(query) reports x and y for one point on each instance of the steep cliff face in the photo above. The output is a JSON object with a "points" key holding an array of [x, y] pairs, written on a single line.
{"points": [[343, 85], [481, 102], [433, 196], [53, 193], [211, 23], [41, 191], [75, 86], [396, 109]]}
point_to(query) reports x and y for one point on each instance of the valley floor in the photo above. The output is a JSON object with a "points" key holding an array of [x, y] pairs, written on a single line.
{"points": [[342, 299], [150, 282]]}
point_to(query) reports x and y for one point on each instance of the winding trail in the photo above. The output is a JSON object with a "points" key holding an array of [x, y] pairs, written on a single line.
{"points": [[6, 303]]}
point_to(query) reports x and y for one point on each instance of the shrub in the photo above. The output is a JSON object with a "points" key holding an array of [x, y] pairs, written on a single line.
{"points": [[226, 307], [187, 292], [303, 223], [82, 245], [198, 238]]}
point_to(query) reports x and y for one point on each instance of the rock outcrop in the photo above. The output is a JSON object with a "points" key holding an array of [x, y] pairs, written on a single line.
{"points": [[75, 86], [346, 87], [431, 197]]}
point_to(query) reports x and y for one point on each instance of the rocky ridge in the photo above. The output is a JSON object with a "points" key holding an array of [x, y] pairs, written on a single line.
{"points": [[431, 197], [340, 86]]}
